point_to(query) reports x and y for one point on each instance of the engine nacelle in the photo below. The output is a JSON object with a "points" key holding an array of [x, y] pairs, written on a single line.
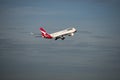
{"points": [[71, 34]]}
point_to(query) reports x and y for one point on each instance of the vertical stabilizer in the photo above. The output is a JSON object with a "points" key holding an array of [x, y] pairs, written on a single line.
{"points": [[45, 34]]}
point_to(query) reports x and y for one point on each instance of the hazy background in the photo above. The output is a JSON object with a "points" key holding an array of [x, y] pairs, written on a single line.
{"points": [[92, 54]]}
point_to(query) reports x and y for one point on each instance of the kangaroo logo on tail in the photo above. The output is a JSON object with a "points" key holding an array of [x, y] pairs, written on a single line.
{"points": [[45, 34]]}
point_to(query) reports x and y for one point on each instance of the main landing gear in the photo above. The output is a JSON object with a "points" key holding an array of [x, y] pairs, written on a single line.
{"points": [[62, 38]]}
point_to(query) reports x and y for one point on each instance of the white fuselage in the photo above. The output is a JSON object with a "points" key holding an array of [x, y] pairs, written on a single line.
{"points": [[68, 31]]}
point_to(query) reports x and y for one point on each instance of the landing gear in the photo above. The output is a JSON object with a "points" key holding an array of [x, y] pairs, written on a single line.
{"points": [[56, 38], [62, 38]]}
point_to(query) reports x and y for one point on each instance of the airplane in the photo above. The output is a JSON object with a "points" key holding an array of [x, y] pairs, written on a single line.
{"points": [[56, 35]]}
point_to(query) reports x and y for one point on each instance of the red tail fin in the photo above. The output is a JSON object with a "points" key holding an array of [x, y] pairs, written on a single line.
{"points": [[45, 34], [41, 29]]}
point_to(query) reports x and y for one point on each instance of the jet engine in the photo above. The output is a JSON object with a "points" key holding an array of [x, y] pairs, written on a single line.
{"points": [[71, 34]]}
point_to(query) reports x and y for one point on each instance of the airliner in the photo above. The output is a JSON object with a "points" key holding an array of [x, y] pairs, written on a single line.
{"points": [[56, 35]]}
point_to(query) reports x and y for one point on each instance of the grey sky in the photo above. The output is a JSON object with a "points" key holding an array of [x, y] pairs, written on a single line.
{"points": [[92, 54]]}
